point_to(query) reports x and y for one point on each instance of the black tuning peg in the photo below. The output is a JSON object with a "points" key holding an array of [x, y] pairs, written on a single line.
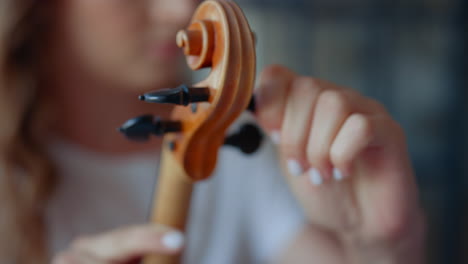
{"points": [[140, 128], [182, 95], [248, 139]]}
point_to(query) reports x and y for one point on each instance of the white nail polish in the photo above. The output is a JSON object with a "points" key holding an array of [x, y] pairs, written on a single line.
{"points": [[315, 177], [295, 169], [173, 240], [275, 137], [337, 174]]}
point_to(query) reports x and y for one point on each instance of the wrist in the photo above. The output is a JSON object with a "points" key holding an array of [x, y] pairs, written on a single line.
{"points": [[407, 246]]}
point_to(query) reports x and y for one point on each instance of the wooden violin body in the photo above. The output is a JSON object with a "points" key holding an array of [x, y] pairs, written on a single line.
{"points": [[218, 37]]}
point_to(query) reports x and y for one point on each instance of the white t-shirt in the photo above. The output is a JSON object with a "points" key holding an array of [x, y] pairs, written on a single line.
{"points": [[243, 214]]}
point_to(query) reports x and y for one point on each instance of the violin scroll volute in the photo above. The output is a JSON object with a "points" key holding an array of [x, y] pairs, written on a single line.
{"points": [[197, 44]]}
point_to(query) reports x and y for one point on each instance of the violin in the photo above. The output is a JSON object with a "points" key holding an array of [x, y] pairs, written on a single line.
{"points": [[218, 37]]}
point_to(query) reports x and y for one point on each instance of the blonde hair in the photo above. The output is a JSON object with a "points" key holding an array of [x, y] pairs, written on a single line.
{"points": [[26, 174]]}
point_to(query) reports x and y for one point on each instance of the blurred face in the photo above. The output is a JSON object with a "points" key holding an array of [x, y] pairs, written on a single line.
{"points": [[126, 43]]}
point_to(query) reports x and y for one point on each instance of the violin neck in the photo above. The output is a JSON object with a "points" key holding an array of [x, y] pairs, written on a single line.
{"points": [[171, 204]]}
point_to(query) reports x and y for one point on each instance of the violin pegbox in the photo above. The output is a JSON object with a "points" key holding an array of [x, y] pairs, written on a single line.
{"points": [[218, 37]]}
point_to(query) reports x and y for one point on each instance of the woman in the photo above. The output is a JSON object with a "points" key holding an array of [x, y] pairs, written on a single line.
{"points": [[70, 73]]}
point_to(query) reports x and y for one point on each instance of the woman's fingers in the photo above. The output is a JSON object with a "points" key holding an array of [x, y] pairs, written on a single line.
{"points": [[333, 108], [271, 94], [123, 245], [131, 242], [359, 132], [298, 116], [349, 118], [316, 122], [74, 257]]}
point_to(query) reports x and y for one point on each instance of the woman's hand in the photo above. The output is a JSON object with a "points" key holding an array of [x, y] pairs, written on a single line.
{"points": [[347, 163], [122, 246]]}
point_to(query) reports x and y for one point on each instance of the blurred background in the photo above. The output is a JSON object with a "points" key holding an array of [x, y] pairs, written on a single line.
{"points": [[409, 54]]}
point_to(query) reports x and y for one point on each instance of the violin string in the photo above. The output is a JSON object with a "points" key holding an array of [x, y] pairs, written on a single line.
{"points": [[153, 191]]}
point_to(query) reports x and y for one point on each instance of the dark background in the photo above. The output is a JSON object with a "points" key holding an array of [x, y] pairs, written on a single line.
{"points": [[409, 54]]}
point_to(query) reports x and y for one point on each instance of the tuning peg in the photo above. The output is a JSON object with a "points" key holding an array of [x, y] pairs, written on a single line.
{"points": [[248, 139], [182, 95], [140, 128]]}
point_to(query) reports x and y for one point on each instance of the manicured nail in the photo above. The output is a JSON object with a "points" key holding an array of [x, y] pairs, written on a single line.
{"points": [[173, 240], [337, 174], [275, 137], [295, 169], [315, 177]]}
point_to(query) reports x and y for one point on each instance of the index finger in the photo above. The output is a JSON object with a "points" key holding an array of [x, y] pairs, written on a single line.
{"points": [[271, 94]]}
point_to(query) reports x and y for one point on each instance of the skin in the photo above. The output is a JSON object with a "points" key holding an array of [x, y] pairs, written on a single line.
{"points": [[373, 214], [106, 52]]}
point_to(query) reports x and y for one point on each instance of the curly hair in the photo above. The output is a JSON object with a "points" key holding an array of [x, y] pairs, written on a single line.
{"points": [[26, 173]]}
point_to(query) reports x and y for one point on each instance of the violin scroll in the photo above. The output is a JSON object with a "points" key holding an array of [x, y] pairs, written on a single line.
{"points": [[219, 37]]}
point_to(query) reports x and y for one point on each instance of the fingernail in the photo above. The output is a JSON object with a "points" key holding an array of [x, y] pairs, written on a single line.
{"points": [[295, 169], [173, 240], [275, 137], [337, 174], [315, 177]]}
